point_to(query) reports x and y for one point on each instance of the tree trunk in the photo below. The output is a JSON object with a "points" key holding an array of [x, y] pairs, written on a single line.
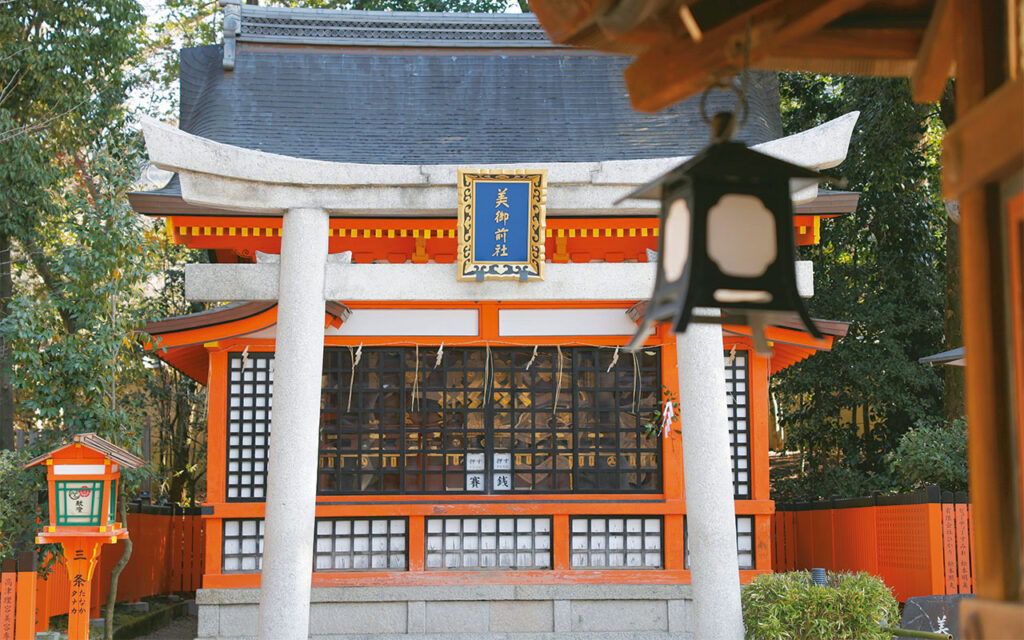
{"points": [[115, 573], [6, 362]]}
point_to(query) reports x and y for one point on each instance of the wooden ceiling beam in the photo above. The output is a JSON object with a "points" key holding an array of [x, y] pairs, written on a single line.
{"points": [[671, 72], [882, 67], [861, 51], [887, 43], [935, 59]]}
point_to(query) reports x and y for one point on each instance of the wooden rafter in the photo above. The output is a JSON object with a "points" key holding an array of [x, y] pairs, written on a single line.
{"points": [[934, 62], [671, 72]]}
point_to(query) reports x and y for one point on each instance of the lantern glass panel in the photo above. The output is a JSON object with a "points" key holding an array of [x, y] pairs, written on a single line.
{"points": [[79, 502], [113, 502], [676, 240], [742, 236]]}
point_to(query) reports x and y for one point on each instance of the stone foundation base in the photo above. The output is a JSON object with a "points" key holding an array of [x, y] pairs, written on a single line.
{"points": [[484, 612]]}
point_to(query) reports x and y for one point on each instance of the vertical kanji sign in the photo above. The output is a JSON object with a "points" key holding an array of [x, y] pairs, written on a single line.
{"points": [[502, 224]]}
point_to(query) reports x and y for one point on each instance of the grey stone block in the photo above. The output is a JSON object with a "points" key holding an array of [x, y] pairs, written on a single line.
{"points": [[563, 616], [531, 616], [457, 617], [357, 617], [228, 596], [209, 621], [603, 592], [416, 616], [620, 615], [680, 615], [239, 620], [135, 607]]}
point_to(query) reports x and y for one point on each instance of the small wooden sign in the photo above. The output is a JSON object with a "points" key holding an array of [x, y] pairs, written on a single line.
{"points": [[501, 224]]}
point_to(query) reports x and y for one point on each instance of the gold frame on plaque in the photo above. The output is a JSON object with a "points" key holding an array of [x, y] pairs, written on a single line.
{"points": [[530, 269]]}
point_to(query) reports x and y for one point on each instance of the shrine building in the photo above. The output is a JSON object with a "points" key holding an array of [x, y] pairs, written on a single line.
{"points": [[490, 459]]}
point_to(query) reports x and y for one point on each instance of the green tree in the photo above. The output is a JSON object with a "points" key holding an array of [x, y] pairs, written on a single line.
{"points": [[882, 269], [76, 259]]}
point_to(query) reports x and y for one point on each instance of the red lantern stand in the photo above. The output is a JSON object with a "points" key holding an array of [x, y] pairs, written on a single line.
{"points": [[82, 477]]}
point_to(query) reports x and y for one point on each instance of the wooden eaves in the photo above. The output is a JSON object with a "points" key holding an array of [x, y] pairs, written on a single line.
{"points": [[865, 37]]}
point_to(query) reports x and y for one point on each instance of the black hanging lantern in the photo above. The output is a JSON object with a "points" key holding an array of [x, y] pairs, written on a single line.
{"points": [[726, 238]]}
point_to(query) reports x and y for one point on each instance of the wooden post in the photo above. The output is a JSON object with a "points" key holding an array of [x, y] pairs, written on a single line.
{"points": [[8, 581], [981, 49], [26, 615], [82, 555]]}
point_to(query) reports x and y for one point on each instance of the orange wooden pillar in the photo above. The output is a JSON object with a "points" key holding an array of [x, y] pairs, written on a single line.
{"points": [[82, 555], [25, 623]]}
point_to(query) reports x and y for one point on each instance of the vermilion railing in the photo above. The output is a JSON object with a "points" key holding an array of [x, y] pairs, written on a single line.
{"points": [[167, 557], [919, 544]]}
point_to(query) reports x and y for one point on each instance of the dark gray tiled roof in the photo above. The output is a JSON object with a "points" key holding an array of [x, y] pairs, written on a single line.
{"points": [[389, 28], [443, 106]]}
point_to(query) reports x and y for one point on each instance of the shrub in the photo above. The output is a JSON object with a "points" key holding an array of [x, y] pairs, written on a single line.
{"points": [[18, 491], [933, 454], [788, 606]]}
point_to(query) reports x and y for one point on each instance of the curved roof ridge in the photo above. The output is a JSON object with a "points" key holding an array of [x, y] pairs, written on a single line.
{"points": [[390, 28]]}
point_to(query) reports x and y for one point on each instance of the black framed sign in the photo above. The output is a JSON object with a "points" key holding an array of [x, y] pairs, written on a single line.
{"points": [[501, 224]]}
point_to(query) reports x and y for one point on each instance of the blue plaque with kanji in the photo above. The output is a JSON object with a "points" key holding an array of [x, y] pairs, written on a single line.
{"points": [[501, 225]]}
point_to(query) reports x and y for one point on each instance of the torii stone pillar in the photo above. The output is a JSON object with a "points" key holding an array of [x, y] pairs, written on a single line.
{"points": [[295, 427], [707, 468], [299, 190]]}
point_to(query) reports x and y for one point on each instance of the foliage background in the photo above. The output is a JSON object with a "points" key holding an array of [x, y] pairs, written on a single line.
{"points": [[883, 270]]}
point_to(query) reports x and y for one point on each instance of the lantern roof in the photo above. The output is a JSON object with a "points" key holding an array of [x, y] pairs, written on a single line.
{"points": [[94, 443], [723, 160]]}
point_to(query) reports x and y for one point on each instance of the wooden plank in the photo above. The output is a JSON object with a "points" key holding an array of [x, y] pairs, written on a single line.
{"points": [[42, 604], [561, 558], [935, 58], [949, 549], [669, 73], [175, 543], [792, 541], [674, 559], [897, 43], [987, 143], [8, 599], [970, 531], [25, 626], [963, 550]]}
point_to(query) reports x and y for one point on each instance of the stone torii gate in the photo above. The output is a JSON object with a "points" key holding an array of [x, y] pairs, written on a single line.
{"points": [[306, 192]]}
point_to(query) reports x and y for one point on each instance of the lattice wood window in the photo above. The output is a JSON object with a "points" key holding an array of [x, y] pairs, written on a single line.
{"points": [[360, 544], [616, 542], [488, 421], [250, 387], [737, 380], [471, 544], [242, 546]]}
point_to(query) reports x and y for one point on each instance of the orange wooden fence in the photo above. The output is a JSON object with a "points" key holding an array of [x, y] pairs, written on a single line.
{"points": [[919, 544], [167, 557]]}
